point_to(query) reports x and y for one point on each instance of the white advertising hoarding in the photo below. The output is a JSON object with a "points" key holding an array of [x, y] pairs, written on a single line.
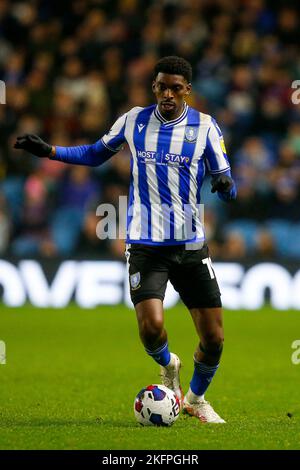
{"points": [[94, 283]]}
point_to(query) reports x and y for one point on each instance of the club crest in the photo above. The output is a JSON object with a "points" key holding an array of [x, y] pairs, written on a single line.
{"points": [[190, 134], [135, 280]]}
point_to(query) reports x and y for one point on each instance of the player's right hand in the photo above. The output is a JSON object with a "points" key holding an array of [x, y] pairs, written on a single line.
{"points": [[222, 183], [33, 144]]}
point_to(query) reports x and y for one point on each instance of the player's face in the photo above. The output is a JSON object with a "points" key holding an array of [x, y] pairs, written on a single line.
{"points": [[171, 92]]}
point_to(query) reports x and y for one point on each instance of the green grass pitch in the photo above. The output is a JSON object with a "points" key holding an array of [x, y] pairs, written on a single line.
{"points": [[72, 375]]}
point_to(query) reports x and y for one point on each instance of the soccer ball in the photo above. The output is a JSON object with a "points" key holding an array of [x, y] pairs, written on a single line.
{"points": [[156, 405]]}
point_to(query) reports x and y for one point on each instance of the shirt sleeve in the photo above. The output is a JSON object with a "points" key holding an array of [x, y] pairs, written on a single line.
{"points": [[115, 138], [97, 153], [215, 151]]}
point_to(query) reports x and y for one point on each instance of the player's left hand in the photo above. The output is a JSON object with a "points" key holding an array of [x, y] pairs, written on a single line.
{"points": [[225, 186]]}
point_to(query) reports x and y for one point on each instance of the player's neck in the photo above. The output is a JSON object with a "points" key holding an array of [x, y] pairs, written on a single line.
{"points": [[172, 114]]}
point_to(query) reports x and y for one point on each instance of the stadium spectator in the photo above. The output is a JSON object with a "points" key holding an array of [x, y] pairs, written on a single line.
{"points": [[71, 68]]}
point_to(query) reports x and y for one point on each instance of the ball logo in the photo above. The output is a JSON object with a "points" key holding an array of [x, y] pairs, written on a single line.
{"points": [[176, 408], [135, 280], [190, 134]]}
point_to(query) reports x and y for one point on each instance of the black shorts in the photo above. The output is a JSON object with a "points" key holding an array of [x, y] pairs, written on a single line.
{"points": [[190, 272]]}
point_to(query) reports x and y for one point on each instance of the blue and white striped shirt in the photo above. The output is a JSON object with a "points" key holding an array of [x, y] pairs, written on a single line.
{"points": [[168, 164]]}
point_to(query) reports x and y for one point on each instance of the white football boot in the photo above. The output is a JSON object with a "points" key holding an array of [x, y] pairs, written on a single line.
{"points": [[170, 376], [201, 409]]}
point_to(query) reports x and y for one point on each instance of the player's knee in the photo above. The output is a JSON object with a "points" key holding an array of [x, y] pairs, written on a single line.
{"points": [[151, 331], [213, 340]]}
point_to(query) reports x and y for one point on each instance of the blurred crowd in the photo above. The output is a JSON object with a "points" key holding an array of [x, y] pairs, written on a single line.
{"points": [[72, 67]]}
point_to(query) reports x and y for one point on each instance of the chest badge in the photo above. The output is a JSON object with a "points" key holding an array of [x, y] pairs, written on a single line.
{"points": [[190, 134]]}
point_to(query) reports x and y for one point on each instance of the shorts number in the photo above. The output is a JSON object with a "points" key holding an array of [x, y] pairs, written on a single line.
{"points": [[207, 261]]}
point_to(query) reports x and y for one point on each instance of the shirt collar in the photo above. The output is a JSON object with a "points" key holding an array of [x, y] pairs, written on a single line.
{"points": [[167, 123]]}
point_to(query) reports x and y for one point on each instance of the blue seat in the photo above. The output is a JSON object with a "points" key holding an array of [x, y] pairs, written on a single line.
{"points": [[25, 246], [12, 188], [246, 228], [65, 229], [281, 231], [294, 242]]}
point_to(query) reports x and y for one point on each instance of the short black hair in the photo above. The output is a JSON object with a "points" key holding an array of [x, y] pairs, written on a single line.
{"points": [[175, 66]]}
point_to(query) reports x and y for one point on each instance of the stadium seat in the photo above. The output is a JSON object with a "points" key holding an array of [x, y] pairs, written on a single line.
{"points": [[294, 242], [12, 188], [281, 231], [25, 246], [246, 228], [65, 229]]}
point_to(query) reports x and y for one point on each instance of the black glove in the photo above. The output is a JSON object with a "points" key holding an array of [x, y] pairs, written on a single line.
{"points": [[33, 144], [222, 183]]}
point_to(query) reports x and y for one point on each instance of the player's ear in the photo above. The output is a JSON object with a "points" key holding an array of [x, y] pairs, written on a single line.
{"points": [[153, 86], [188, 89]]}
